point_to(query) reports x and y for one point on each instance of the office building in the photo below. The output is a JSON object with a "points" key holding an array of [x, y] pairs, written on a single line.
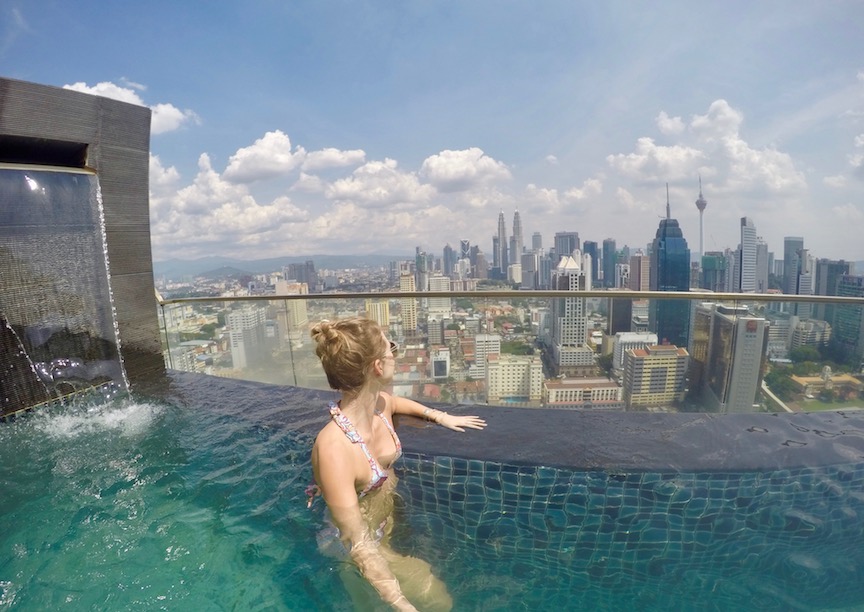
{"points": [[625, 341], [484, 344], [565, 243], [591, 248], [514, 379], [439, 306], [568, 343], [737, 349], [654, 376], [747, 257], [500, 261], [670, 271], [849, 318], [828, 273], [640, 272], [583, 394], [408, 305], [610, 259], [247, 336]]}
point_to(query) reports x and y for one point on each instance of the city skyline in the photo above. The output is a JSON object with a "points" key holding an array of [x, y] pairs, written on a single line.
{"points": [[297, 130]]}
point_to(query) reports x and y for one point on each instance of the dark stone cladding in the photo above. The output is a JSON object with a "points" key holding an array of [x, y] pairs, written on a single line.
{"points": [[646, 442], [116, 138]]}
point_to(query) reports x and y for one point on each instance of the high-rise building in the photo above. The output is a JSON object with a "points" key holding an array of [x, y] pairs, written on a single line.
{"points": [[640, 272], [849, 318], [518, 239], [379, 311], [514, 379], [530, 270], [246, 332], [592, 248], [655, 376], [484, 344], [565, 244], [303, 273], [624, 341], [736, 352], [501, 261], [448, 260], [792, 247], [670, 271], [747, 257], [291, 315], [571, 354], [828, 275], [464, 249], [536, 241], [610, 259], [763, 264], [714, 271], [408, 305], [439, 306]]}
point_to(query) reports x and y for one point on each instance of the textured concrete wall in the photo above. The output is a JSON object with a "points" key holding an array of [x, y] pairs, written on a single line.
{"points": [[117, 140]]}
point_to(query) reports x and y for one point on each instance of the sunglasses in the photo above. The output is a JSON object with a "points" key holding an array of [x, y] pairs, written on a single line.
{"points": [[394, 348]]}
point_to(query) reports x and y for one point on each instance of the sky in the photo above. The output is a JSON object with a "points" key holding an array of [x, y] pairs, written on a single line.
{"points": [[334, 127]]}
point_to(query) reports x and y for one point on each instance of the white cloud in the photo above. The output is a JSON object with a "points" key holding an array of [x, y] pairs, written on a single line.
{"points": [[212, 211], [859, 140], [720, 122], [165, 118], [848, 213], [591, 187], [333, 158], [551, 159], [460, 170], [838, 181], [654, 163], [377, 184], [270, 156], [162, 180], [669, 125], [309, 183]]}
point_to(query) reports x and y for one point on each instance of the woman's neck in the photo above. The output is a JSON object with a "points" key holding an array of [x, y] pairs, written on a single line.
{"points": [[359, 406]]}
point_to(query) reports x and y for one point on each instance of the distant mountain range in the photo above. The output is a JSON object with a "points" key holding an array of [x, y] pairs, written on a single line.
{"points": [[215, 266]]}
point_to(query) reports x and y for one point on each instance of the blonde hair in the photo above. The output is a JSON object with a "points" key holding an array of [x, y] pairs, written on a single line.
{"points": [[347, 349]]}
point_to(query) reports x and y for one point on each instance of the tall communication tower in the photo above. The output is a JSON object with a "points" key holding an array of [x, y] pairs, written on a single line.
{"points": [[701, 203]]}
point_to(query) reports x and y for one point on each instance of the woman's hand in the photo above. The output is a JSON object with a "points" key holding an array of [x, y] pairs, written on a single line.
{"points": [[459, 423]]}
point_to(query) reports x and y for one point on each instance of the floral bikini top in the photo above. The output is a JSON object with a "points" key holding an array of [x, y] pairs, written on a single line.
{"points": [[379, 475]]}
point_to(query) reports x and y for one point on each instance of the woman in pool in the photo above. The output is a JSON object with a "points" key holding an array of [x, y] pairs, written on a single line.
{"points": [[353, 457]]}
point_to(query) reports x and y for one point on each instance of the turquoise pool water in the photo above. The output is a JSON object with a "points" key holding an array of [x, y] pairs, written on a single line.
{"points": [[140, 505]]}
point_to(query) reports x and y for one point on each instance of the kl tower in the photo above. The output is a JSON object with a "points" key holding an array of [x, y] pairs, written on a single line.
{"points": [[701, 203]]}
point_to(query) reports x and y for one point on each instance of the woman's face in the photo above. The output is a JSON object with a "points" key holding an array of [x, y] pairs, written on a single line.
{"points": [[388, 360]]}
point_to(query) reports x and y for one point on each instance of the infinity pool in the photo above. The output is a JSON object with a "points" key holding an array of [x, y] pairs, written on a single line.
{"points": [[198, 504]]}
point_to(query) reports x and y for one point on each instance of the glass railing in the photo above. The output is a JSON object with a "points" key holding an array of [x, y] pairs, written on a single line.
{"points": [[593, 350]]}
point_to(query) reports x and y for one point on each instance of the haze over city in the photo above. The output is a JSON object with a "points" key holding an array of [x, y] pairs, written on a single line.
{"points": [[358, 127]]}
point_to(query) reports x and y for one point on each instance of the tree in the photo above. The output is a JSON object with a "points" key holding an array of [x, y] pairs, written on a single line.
{"points": [[780, 384], [804, 353], [604, 362]]}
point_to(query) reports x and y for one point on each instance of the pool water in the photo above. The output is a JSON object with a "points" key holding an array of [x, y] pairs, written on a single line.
{"points": [[149, 505]]}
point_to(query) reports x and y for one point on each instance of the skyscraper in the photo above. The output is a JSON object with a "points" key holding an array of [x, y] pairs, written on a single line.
{"points": [[565, 244], [571, 354], [536, 241], [501, 247], [828, 275], [670, 271], [747, 257], [518, 240], [610, 258], [590, 248], [640, 272], [792, 245], [408, 305]]}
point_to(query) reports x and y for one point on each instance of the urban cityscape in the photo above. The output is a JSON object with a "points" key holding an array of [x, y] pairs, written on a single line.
{"points": [[592, 352]]}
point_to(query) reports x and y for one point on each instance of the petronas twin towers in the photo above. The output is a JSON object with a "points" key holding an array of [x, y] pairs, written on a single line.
{"points": [[504, 256]]}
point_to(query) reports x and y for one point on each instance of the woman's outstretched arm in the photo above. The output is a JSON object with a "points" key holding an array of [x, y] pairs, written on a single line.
{"points": [[403, 405]]}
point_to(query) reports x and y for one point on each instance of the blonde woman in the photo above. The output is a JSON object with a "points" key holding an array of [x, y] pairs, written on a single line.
{"points": [[353, 456]]}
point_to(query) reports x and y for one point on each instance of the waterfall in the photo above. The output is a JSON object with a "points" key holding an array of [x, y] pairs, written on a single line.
{"points": [[55, 292]]}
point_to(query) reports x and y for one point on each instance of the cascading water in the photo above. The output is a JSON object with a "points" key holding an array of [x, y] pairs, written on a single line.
{"points": [[59, 331]]}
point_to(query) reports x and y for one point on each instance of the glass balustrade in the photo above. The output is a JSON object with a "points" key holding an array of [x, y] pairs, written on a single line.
{"points": [[591, 350]]}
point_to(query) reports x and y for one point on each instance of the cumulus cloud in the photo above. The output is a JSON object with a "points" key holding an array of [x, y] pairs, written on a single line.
{"points": [[452, 171], [859, 140], [309, 183], [380, 183], [333, 158], [669, 125], [166, 117], [711, 145], [848, 213], [591, 187], [268, 157], [551, 159], [162, 180], [655, 163], [214, 211], [837, 181]]}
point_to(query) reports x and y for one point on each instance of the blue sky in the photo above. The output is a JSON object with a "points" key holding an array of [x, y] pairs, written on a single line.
{"points": [[298, 128]]}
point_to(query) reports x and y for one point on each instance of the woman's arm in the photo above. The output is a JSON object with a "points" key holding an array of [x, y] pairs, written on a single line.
{"points": [[335, 473], [403, 405]]}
